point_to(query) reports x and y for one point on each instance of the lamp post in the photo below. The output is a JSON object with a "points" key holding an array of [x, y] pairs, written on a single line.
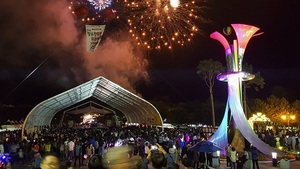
{"points": [[274, 159], [288, 117]]}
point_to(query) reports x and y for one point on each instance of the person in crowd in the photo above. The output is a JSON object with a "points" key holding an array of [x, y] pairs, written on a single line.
{"points": [[209, 158], [62, 150], [48, 147], [95, 162], [25, 148], [172, 151], [35, 148], [202, 159], [90, 151], [71, 147], [298, 142], [141, 148], [233, 158], [147, 148], [50, 161], [21, 156], [159, 159], [7, 164], [186, 152], [13, 151], [177, 154], [196, 159], [245, 156], [36, 164], [69, 164], [136, 162], [66, 149], [187, 163], [283, 141], [228, 153], [277, 138], [254, 153], [42, 147], [134, 148], [78, 152], [103, 148], [97, 147], [54, 146], [84, 146], [1, 148], [293, 144]]}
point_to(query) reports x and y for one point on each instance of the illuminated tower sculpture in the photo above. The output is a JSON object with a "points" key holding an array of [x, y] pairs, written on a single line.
{"points": [[234, 77]]}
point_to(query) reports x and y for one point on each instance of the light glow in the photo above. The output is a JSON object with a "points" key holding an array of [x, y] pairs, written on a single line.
{"points": [[258, 117], [174, 3], [88, 118]]}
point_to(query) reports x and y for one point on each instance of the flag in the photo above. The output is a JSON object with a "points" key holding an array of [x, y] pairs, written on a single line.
{"points": [[93, 36]]}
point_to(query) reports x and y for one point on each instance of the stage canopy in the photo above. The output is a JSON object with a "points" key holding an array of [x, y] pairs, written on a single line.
{"points": [[134, 108]]}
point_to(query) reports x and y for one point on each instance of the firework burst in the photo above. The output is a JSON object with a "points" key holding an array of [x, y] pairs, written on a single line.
{"points": [[157, 24], [100, 4], [89, 11]]}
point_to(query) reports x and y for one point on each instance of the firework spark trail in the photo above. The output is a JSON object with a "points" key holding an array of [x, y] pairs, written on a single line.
{"points": [[27, 76], [156, 24]]}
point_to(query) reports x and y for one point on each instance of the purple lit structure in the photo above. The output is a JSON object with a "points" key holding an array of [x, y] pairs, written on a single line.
{"points": [[234, 77]]}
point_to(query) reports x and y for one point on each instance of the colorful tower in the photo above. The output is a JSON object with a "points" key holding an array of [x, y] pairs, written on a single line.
{"points": [[234, 77]]}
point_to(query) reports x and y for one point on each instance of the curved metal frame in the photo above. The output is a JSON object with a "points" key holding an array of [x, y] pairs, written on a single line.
{"points": [[135, 108]]}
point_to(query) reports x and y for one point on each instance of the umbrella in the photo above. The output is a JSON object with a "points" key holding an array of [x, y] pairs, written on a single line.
{"points": [[205, 146]]}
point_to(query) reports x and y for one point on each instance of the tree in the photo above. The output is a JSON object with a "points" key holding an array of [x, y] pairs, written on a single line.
{"points": [[208, 70], [256, 83], [257, 105], [276, 107], [296, 106], [173, 113]]}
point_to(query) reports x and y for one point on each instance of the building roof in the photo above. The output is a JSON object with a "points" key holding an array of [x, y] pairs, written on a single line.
{"points": [[135, 108]]}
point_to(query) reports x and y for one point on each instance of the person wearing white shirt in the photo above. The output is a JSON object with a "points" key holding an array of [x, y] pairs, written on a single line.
{"points": [[71, 146], [233, 158], [1, 148], [146, 148], [172, 152]]}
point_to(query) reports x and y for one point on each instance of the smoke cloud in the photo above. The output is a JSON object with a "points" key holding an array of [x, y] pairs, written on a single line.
{"points": [[40, 30]]}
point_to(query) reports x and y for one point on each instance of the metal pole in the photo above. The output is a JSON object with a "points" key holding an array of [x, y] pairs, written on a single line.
{"points": [[288, 121]]}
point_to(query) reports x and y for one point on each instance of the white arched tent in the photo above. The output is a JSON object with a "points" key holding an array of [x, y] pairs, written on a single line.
{"points": [[134, 108]]}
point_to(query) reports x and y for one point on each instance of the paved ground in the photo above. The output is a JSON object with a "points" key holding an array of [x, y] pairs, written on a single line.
{"points": [[267, 165], [262, 165]]}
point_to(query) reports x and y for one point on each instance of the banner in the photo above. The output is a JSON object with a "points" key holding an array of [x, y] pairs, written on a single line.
{"points": [[93, 36]]}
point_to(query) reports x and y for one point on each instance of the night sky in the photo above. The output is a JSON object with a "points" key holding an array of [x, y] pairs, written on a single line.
{"points": [[44, 33]]}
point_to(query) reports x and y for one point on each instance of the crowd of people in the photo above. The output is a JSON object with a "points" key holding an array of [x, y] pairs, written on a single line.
{"points": [[78, 146], [114, 147], [246, 160], [288, 139]]}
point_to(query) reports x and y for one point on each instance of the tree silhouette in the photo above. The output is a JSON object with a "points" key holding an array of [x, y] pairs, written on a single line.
{"points": [[256, 83], [208, 70]]}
